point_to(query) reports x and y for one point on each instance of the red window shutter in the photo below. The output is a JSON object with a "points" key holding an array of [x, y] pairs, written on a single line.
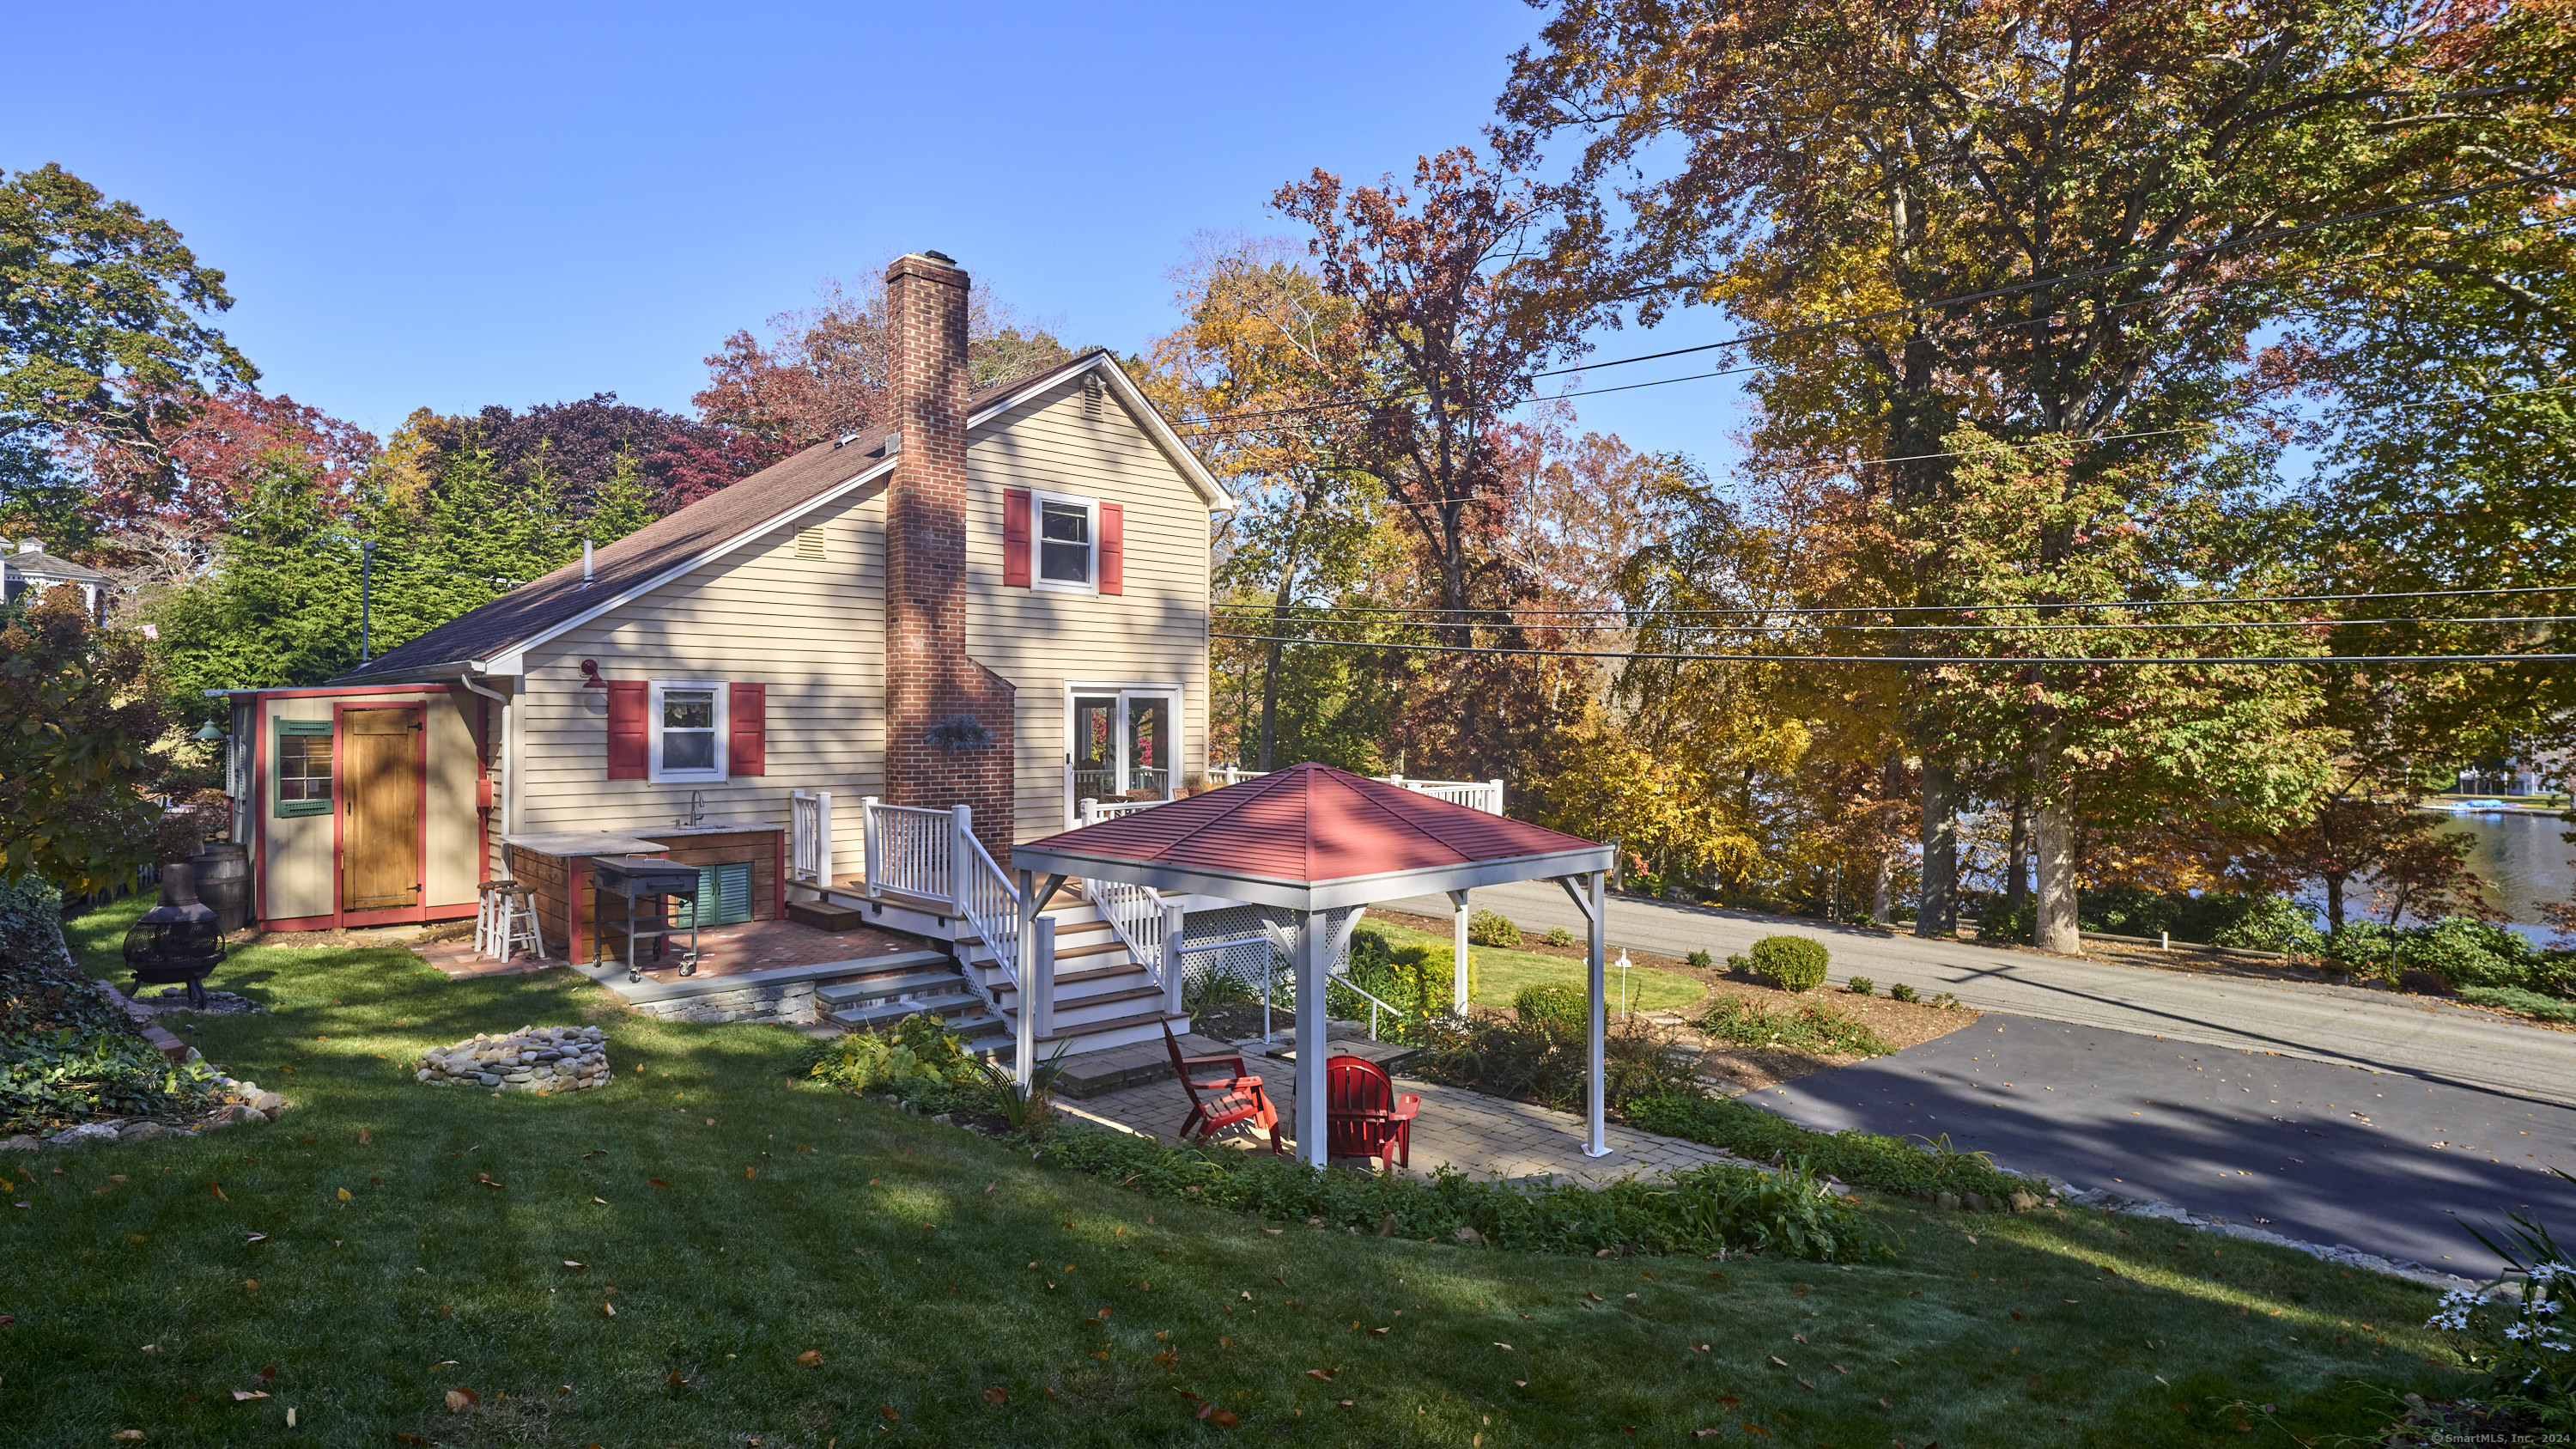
{"points": [[747, 722], [1015, 538], [1113, 549], [630, 740]]}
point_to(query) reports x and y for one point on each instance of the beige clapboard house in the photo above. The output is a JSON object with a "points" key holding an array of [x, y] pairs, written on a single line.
{"points": [[989, 609]]}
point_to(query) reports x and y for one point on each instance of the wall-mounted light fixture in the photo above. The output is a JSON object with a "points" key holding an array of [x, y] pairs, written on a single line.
{"points": [[590, 675]]}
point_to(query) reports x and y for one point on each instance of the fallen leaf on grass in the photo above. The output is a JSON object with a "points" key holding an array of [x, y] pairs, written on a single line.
{"points": [[1378, 1332], [250, 1285], [365, 1137], [888, 1411], [1699, 1348], [1320, 1375], [1756, 1429], [255, 1238], [486, 1179], [811, 1358], [603, 1202], [127, 1434], [609, 1308], [2016, 1318], [1802, 1338], [997, 1396], [245, 1395], [1729, 1400], [1782, 1362], [460, 1400], [657, 1182], [675, 1380], [569, 1263], [1223, 1418], [344, 1194]]}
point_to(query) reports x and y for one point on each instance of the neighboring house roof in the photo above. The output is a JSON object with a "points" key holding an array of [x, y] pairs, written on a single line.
{"points": [[45, 565], [684, 540], [1314, 837]]}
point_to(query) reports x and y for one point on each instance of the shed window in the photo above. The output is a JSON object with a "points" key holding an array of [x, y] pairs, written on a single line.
{"points": [[303, 767]]}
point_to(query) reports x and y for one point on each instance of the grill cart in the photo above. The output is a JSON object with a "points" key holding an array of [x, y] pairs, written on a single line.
{"points": [[639, 879]]}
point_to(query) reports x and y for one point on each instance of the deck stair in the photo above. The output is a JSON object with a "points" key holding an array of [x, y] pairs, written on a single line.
{"points": [[1104, 999]]}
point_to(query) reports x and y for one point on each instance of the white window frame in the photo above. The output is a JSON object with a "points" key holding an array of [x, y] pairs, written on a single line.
{"points": [[724, 737], [1126, 694], [1038, 500]]}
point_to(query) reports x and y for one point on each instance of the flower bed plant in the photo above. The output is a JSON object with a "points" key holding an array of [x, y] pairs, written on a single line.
{"points": [[1862, 1159], [1809, 1027], [1705, 1210]]}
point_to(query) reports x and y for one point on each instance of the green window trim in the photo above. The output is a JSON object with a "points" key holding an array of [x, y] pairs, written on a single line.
{"points": [[303, 780]]}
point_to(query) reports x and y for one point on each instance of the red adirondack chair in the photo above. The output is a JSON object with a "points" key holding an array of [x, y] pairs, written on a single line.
{"points": [[1233, 1096], [1363, 1113]]}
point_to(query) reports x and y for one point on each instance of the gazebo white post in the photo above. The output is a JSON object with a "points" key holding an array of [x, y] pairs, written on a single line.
{"points": [[1596, 1075], [1458, 952], [1024, 1029], [1311, 967]]}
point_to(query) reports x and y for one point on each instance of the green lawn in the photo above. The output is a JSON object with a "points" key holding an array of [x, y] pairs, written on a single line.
{"points": [[1500, 974], [959, 1294]]}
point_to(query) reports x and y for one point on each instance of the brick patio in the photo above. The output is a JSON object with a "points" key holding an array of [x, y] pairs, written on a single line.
{"points": [[1479, 1135], [722, 951]]}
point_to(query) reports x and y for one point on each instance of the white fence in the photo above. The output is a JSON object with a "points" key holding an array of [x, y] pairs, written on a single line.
{"points": [[809, 837], [909, 849]]}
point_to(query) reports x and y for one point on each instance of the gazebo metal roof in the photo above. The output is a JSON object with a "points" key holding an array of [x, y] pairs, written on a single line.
{"points": [[1313, 838]]}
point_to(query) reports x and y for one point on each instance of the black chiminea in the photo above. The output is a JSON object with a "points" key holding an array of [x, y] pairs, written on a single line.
{"points": [[177, 940]]}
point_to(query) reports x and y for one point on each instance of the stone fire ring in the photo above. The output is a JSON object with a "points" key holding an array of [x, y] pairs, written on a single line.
{"points": [[531, 1059]]}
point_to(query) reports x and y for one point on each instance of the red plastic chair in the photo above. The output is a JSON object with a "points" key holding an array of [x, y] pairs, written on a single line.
{"points": [[1364, 1114], [1234, 1095]]}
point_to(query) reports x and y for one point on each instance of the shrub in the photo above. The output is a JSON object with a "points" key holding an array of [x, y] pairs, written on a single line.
{"points": [[1861, 986], [1809, 1027], [1559, 937], [67, 1054], [867, 1061], [1538, 1053], [1739, 965], [1863, 1159], [1900, 992], [1492, 928], [1700, 959], [1792, 963], [2262, 923], [1559, 1007], [2514, 998], [1700, 1211]]}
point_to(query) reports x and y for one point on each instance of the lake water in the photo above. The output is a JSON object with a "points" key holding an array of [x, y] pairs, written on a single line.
{"points": [[2521, 859]]}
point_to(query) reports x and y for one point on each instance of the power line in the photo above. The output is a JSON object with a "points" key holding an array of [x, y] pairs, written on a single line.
{"points": [[2012, 661], [2415, 620], [1776, 334], [1954, 608]]}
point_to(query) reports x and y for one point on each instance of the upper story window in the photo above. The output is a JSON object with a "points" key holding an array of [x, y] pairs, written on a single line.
{"points": [[1068, 542], [688, 726]]}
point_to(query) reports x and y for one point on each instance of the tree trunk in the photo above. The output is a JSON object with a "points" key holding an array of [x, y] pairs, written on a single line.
{"points": [[1939, 915], [1882, 894], [2334, 903], [2016, 852], [2053, 844]]}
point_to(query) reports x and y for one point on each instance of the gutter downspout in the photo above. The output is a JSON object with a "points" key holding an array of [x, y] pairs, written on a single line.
{"points": [[509, 771]]}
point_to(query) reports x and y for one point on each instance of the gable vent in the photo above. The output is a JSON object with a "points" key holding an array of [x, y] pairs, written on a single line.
{"points": [[1094, 395], [809, 543]]}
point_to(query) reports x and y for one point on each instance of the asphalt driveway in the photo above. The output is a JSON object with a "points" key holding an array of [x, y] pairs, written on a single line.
{"points": [[2433, 1040], [2386, 1163]]}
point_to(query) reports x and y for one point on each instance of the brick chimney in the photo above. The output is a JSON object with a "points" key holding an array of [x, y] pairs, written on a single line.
{"points": [[949, 720]]}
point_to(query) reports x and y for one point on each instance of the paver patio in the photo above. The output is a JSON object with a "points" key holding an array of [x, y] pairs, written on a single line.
{"points": [[1475, 1133]]}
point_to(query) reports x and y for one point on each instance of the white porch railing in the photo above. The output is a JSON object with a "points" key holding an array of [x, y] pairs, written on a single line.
{"points": [[809, 837], [1485, 795], [1092, 812], [988, 900], [909, 849]]}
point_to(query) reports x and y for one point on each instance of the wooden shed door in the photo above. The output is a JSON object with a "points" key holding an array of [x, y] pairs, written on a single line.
{"points": [[380, 798]]}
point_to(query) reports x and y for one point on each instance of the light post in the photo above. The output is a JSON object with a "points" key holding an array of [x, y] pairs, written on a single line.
{"points": [[1623, 981], [366, 597]]}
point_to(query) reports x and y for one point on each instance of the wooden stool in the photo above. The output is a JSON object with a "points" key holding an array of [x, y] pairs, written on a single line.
{"points": [[505, 921]]}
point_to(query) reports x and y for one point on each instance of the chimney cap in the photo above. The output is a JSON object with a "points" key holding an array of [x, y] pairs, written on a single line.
{"points": [[941, 257]]}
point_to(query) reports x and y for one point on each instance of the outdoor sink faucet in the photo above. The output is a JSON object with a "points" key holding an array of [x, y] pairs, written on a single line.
{"points": [[697, 809]]}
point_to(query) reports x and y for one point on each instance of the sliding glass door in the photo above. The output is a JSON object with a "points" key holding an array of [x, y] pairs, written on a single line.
{"points": [[1122, 745]]}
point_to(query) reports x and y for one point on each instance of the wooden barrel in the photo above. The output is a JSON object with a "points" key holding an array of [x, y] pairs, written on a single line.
{"points": [[223, 883]]}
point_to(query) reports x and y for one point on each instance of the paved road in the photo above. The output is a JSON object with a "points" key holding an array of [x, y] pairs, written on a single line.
{"points": [[2438, 1043], [2322, 1153]]}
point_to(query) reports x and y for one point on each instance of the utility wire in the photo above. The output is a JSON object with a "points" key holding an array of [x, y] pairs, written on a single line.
{"points": [[1950, 608], [1661, 621], [2013, 661]]}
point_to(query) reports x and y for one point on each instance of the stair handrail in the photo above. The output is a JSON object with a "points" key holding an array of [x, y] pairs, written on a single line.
{"points": [[1135, 915], [809, 837], [991, 904]]}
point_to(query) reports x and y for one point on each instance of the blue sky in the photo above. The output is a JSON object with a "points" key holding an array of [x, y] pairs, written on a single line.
{"points": [[455, 205]]}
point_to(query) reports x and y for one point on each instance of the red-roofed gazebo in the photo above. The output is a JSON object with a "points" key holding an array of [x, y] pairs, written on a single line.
{"points": [[1312, 839]]}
